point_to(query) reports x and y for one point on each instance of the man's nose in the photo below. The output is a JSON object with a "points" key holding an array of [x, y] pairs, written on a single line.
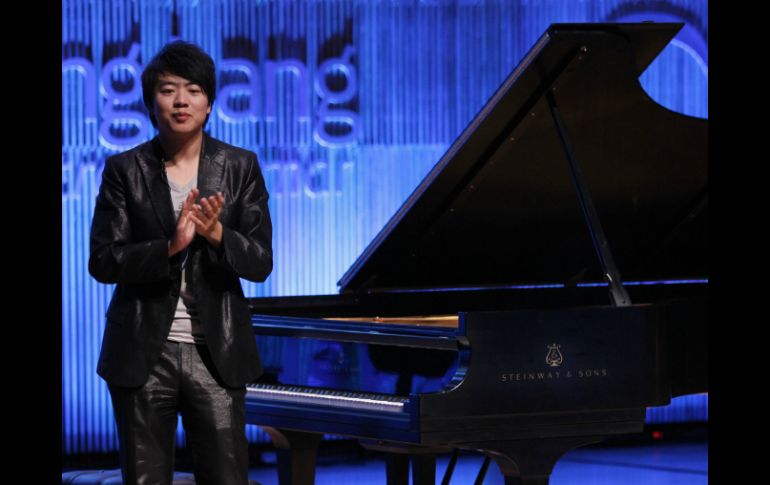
{"points": [[180, 99]]}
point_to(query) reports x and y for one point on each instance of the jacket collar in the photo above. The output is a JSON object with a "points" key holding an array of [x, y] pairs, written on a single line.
{"points": [[210, 173]]}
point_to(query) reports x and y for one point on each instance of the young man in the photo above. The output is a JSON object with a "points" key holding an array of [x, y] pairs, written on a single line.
{"points": [[178, 220]]}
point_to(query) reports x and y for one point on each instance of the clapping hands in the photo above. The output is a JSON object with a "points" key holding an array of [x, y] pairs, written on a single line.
{"points": [[202, 219]]}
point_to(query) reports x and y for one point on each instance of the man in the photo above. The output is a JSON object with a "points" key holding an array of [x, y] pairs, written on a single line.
{"points": [[178, 220]]}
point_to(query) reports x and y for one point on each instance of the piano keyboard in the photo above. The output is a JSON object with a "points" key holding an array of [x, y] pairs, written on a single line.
{"points": [[326, 397]]}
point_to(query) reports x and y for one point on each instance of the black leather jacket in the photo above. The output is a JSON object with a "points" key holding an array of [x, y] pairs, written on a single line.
{"points": [[133, 222]]}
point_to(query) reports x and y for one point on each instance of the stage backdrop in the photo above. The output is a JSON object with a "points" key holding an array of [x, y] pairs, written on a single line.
{"points": [[347, 103]]}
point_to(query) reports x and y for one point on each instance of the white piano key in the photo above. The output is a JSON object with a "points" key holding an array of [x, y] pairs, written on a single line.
{"points": [[326, 397]]}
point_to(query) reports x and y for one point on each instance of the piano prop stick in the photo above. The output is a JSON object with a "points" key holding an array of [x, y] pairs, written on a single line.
{"points": [[478, 318]]}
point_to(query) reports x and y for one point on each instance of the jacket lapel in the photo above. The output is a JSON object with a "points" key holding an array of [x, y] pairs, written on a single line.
{"points": [[150, 161], [210, 172], [211, 167]]}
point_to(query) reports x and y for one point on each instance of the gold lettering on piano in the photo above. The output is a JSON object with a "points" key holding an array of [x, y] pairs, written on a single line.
{"points": [[554, 358], [552, 375]]}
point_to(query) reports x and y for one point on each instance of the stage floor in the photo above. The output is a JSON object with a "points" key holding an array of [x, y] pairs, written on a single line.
{"points": [[664, 463]]}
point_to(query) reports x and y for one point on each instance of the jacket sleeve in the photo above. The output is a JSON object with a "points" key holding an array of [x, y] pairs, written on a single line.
{"points": [[115, 257], [247, 250]]}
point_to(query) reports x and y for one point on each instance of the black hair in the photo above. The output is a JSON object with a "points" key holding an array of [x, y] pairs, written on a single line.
{"points": [[183, 59]]}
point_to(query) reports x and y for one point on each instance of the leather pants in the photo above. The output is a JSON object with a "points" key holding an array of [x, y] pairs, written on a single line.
{"points": [[214, 418]]}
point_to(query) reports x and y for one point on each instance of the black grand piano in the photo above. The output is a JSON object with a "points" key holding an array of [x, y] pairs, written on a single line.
{"points": [[489, 313]]}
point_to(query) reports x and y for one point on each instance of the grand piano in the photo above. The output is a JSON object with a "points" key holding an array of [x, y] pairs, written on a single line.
{"points": [[489, 313]]}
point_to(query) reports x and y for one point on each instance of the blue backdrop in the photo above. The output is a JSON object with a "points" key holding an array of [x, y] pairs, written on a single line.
{"points": [[347, 103]]}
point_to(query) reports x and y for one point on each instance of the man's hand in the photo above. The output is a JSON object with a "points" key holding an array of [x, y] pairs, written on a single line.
{"points": [[206, 218], [185, 227]]}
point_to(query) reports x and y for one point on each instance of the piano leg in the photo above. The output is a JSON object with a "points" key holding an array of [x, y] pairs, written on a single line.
{"points": [[423, 459], [424, 469], [529, 462], [296, 452], [397, 469]]}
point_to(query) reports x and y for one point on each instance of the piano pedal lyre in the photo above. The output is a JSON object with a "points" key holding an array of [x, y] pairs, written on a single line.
{"points": [[400, 455]]}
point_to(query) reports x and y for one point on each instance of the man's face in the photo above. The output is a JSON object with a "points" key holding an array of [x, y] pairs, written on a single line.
{"points": [[180, 106]]}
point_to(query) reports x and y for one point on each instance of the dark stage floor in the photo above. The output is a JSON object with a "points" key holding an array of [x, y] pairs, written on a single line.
{"points": [[680, 461], [664, 463]]}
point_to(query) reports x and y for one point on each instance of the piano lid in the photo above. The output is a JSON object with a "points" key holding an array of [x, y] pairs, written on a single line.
{"points": [[500, 206]]}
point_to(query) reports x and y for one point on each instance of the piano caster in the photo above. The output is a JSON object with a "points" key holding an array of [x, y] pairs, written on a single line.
{"points": [[296, 452], [530, 462]]}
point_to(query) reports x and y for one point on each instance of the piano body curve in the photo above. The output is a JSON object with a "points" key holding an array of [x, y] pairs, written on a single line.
{"points": [[490, 284]]}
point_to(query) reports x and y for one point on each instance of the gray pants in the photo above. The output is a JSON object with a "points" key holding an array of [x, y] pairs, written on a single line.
{"points": [[214, 418]]}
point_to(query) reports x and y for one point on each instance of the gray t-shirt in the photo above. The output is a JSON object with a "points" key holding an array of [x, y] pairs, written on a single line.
{"points": [[185, 327]]}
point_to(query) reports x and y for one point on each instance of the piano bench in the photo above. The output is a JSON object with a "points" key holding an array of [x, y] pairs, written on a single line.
{"points": [[112, 477]]}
